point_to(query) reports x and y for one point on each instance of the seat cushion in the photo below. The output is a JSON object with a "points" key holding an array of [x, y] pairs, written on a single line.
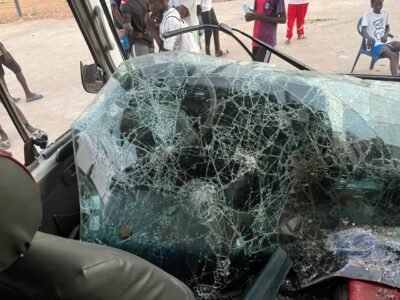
{"points": [[20, 210], [59, 268]]}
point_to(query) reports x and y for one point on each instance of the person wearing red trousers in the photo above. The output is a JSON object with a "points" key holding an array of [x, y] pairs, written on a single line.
{"points": [[297, 11]]}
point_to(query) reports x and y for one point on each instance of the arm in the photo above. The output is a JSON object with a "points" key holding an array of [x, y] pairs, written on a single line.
{"points": [[370, 40], [385, 37], [387, 29], [364, 32], [279, 18], [152, 28], [116, 14], [126, 21]]}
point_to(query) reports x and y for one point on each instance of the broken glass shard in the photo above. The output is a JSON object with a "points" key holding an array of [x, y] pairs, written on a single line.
{"points": [[203, 166]]}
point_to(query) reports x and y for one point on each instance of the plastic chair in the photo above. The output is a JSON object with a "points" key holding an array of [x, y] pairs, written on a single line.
{"points": [[363, 49]]}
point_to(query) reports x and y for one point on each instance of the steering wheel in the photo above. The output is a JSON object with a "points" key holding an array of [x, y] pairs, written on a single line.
{"points": [[199, 101]]}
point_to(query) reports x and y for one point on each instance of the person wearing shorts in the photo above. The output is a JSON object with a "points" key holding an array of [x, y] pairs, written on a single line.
{"points": [[375, 29], [6, 60]]}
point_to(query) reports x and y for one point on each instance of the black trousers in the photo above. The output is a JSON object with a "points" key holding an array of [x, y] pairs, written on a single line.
{"points": [[209, 17], [261, 54]]}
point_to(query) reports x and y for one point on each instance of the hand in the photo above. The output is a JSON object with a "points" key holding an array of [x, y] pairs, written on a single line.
{"points": [[128, 29], [370, 43], [250, 17], [121, 32], [384, 39]]}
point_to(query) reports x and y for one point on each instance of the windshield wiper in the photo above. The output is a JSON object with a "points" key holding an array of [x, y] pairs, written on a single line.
{"points": [[228, 30]]}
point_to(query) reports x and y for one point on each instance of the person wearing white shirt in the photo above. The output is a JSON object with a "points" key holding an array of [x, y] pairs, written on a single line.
{"points": [[208, 17], [188, 11], [297, 10], [168, 19], [375, 29]]}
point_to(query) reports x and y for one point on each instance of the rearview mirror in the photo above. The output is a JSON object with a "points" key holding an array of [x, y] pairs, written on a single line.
{"points": [[92, 78]]}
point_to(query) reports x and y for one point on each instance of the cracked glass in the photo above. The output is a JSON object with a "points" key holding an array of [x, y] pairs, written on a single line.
{"points": [[204, 166]]}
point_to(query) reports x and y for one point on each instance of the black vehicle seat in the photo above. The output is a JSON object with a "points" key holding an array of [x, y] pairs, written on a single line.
{"points": [[36, 265]]}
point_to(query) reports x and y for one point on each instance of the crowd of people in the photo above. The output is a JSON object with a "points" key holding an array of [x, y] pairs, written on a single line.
{"points": [[145, 21], [141, 25]]}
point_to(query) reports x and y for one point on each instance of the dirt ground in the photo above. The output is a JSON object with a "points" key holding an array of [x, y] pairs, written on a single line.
{"points": [[34, 10], [49, 46]]}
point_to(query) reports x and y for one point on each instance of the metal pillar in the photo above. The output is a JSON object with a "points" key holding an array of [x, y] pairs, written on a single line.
{"points": [[18, 8]]}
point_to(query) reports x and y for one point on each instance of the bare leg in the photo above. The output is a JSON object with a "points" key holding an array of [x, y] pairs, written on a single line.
{"points": [[28, 126], [3, 134], [3, 81], [22, 81], [394, 60], [395, 46], [29, 95]]}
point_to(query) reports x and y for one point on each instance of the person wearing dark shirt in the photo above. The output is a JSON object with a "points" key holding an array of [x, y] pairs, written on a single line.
{"points": [[134, 14], [116, 13], [267, 15]]}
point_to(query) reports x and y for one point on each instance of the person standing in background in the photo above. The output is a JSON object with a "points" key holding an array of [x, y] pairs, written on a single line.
{"points": [[188, 11], [208, 17], [9, 62], [267, 14], [116, 13], [165, 18], [134, 14], [297, 10]]}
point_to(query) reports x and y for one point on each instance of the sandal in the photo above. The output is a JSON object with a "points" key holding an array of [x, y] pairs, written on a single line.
{"points": [[4, 145], [221, 53], [34, 97], [39, 134]]}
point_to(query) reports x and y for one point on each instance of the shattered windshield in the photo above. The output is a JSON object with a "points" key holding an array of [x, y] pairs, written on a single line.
{"points": [[204, 166]]}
